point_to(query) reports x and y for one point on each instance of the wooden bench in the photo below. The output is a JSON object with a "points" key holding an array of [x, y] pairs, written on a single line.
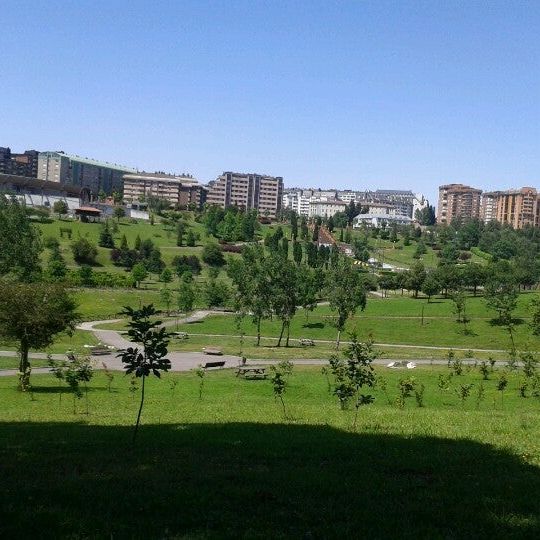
{"points": [[217, 364], [251, 372], [99, 350], [212, 350], [305, 341], [181, 335]]}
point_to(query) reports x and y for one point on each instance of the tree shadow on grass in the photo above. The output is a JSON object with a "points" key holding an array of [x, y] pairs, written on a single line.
{"points": [[313, 325], [258, 481], [497, 322]]}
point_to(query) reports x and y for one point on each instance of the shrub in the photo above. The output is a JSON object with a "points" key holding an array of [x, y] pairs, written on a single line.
{"points": [[213, 255], [84, 252], [187, 263]]}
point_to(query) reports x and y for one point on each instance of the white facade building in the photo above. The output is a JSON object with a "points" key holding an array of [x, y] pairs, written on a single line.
{"points": [[325, 208], [380, 220]]}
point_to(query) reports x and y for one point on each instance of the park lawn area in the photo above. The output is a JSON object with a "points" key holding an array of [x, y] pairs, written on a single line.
{"points": [[398, 305], [8, 362], [62, 343], [97, 304], [268, 351], [232, 465], [439, 332]]}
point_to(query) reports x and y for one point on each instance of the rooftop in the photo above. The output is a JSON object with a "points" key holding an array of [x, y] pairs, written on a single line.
{"points": [[88, 161]]}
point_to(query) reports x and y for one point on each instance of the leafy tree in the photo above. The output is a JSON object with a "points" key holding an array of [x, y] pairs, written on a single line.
{"points": [[185, 298], [20, 243], [165, 295], [459, 299], [180, 234], [166, 276], [216, 293], [473, 275], [253, 280], [344, 292], [330, 224], [361, 249], [187, 263], [119, 213], [535, 315], [307, 289], [420, 250], [311, 254], [105, 237], [151, 358], [86, 275], [304, 231], [448, 277], [60, 207], [139, 273], [284, 287], [415, 277], [425, 216], [431, 285], [294, 226], [154, 263], [297, 252], [190, 239], [138, 243], [84, 252], [212, 255], [502, 298], [353, 373], [33, 314], [74, 372]]}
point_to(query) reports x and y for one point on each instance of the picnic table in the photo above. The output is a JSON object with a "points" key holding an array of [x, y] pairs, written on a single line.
{"points": [[181, 335], [305, 341], [251, 372]]}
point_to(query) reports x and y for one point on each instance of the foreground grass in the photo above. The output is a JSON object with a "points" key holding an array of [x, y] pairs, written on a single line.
{"points": [[229, 465]]}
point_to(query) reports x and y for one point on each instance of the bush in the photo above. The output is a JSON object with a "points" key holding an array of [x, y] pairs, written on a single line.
{"points": [[231, 248], [187, 263], [84, 252], [213, 255]]}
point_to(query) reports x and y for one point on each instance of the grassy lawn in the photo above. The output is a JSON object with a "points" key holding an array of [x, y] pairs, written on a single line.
{"points": [[268, 350], [440, 332], [230, 465], [63, 342]]}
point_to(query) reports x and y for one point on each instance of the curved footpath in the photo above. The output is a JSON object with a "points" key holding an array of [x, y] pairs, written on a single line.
{"points": [[185, 360]]}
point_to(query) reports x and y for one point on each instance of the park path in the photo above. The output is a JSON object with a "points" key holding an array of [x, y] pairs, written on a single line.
{"points": [[186, 360]]}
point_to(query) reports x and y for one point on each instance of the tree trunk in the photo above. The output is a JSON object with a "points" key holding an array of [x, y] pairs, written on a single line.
{"points": [[288, 333], [338, 339], [281, 333], [140, 411], [258, 331], [24, 367]]}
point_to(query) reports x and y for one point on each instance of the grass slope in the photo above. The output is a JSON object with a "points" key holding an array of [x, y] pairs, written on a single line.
{"points": [[230, 466]]}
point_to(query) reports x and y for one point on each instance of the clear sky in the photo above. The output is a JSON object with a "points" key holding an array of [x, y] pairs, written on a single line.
{"points": [[396, 95]]}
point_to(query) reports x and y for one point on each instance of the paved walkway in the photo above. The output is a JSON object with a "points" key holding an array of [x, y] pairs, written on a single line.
{"points": [[185, 360]]}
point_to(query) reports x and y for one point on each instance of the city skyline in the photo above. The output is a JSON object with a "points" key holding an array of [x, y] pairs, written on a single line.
{"points": [[367, 96]]}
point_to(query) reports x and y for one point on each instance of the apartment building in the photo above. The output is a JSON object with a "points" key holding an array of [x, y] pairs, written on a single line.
{"points": [[25, 164], [325, 208], [488, 206], [89, 175], [179, 191], [458, 202], [247, 191], [518, 207]]}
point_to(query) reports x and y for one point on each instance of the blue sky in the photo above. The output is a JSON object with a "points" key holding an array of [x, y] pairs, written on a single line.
{"points": [[347, 94]]}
